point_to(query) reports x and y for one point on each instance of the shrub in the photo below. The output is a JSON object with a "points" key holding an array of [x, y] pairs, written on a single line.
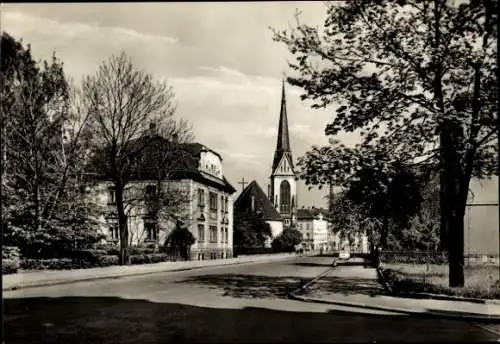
{"points": [[11, 252], [10, 266], [10, 259], [149, 258], [48, 264], [108, 260]]}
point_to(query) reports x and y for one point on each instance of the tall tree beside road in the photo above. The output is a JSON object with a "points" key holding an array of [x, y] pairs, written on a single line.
{"points": [[123, 101], [417, 80], [39, 165]]}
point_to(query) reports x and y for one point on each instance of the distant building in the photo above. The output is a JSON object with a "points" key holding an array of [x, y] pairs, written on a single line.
{"points": [[253, 200], [207, 211], [481, 220], [314, 226]]}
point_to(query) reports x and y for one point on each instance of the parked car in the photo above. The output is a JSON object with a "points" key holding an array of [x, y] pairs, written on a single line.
{"points": [[344, 254]]}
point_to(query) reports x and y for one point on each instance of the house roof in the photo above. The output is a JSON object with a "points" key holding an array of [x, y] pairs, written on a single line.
{"points": [[262, 204], [153, 157], [311, 213]]}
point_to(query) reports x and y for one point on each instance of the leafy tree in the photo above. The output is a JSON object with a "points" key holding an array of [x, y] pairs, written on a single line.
{"points": [[417, 81], [287, 240], [180, 240], [393, 198], [250, 231], [122, 102], [39, 166]]}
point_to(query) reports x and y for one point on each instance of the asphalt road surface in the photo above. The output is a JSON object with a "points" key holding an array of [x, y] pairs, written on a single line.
{"points": [[231, 304]]}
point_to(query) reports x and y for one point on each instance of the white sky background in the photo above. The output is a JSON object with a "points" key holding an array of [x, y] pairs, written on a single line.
{"points": [[219, 57]]}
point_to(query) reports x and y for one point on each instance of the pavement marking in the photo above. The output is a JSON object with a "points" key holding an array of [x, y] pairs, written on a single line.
{"points": [[488, 328]]}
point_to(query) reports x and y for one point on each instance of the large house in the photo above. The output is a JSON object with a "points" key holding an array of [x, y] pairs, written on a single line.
{"points": [[195, 182]]}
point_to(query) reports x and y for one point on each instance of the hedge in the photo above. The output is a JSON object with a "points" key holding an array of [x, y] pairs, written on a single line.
{"points": [[413, 257], [10, 266], [99, 261], [11, 261]]}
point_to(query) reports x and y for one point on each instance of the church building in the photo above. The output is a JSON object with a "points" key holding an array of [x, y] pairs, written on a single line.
{"points": [[282, 190]]}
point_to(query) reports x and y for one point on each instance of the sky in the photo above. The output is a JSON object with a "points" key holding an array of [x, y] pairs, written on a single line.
{"points": [[220, 59]]}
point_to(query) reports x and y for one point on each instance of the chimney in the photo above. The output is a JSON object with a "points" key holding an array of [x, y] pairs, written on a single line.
{"points": [[152, 129], [269, 192]]}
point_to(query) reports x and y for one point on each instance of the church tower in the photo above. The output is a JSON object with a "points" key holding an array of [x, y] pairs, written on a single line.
{"points": [[283, 186]]}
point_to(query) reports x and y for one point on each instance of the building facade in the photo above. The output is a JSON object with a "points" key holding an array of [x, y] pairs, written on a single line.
{"points": [[201, 200], [314, 226], [282, 190]]}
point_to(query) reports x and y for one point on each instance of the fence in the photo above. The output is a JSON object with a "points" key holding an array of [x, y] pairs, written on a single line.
{"points": [[434, 257]]}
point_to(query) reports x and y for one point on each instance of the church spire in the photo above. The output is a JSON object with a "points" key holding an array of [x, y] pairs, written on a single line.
{"points": [[283, 141]]}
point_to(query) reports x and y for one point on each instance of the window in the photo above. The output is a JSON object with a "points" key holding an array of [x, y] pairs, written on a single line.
{"points": [[213, 233], [201, 198], [111, 195], [213, 202], [151, 231], [286, 222], [227, 235], [222, 204], [285, 197], [226, 205], [114, 231], [201, 233]]}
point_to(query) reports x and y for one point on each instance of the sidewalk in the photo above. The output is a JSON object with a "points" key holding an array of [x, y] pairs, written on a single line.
{"points": [[358, 287], [47, 278]]}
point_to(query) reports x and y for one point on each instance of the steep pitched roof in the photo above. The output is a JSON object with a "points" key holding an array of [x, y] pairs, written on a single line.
{"points": [[262, 204], [179, 162], [311, 213], [283, 141]]}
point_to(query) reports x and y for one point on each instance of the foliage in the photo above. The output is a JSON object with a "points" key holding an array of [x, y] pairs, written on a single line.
{"points": [[42, 211], [250, 230], [10, 266], [417, 81], [287, 240], [180, 240], [122, 102], [413, 257], [89, 261], [384, 206], [10, 252]]}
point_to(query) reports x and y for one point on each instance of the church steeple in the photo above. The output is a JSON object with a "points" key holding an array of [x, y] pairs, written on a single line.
{"points": [[283, 186], [283, 142]]}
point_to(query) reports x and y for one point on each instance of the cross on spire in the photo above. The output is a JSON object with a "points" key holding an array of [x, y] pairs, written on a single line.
{"points": [[242, 183]]}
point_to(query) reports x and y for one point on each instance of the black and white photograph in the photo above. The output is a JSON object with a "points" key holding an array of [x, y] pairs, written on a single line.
{"points": [[250, 172]]}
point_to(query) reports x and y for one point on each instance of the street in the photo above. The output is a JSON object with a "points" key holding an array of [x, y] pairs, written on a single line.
{"points": [[237, 304]]}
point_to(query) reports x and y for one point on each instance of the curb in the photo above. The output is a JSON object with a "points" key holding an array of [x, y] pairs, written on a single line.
{"points": [[50, 283], [425, 313]]}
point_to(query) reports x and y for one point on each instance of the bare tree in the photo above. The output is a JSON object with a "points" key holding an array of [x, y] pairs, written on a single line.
{"points": [[123, 101]]}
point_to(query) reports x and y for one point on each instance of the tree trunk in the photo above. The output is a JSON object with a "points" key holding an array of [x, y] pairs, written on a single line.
{"points": [[456, 237], [453, 199], [122, 224]]}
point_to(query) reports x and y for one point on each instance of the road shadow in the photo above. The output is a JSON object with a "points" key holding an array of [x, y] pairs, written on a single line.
{"points": [[109, 320], [248, 286], [347, 286]]}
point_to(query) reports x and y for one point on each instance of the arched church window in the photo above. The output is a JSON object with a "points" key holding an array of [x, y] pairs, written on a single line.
{"points": [[285, 197]]}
